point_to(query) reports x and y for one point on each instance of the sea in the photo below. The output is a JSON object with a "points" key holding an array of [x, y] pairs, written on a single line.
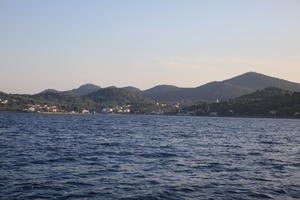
{"points": [[147, 157]]}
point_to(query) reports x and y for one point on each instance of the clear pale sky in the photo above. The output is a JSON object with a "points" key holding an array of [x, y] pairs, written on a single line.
{"points": [[62, 44]]}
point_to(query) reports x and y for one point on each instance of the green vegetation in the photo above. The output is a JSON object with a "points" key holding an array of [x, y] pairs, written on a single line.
{"points": [[67, 102], [111, 97], [95, 101], [269, 102], [15, 102]]}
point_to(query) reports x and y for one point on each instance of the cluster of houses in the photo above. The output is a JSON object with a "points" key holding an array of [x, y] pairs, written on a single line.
{"points": [[126, 109], [161, 104], [117, 109], [50, 109], [41, 108], [3, 101], [54, 109]]}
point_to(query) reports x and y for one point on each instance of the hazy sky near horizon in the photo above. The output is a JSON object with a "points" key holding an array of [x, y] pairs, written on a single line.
{"points": [[62, 44]]}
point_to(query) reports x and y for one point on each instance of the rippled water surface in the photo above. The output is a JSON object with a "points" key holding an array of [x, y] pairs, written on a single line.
{"points": [[148, 157]]}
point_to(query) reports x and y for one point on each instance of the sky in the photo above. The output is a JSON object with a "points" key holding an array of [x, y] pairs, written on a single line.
{"points": [[63, 44]]}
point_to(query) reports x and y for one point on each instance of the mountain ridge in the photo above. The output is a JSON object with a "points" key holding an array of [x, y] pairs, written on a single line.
{"points": [[81, 90], [216, 90], [226, 89]]}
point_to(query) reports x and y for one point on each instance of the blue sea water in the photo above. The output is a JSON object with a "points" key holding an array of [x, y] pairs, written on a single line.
{"points": [[148, 157]]}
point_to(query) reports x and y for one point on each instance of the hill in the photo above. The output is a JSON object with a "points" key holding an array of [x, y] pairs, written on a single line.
{"points": [[132, 89], [63, 101], [50, 91], [221, 90], [84, 89], [14, 102], [117, 96], [269, 102], [210, 92], [80, 91], [94, 97], [163, 93], [257, 81]]}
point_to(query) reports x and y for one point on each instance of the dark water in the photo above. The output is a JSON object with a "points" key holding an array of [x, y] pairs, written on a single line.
{"points": [[148, 157]]}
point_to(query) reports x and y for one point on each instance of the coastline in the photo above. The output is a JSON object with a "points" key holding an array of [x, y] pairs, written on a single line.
{"points": [[237, 116]]}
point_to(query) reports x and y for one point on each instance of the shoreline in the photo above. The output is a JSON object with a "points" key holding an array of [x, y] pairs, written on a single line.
{"points": [[69, 113]]}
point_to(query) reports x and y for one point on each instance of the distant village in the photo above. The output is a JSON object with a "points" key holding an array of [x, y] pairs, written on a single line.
{"points": [[44, 109], [55, 109], [159, 109], [109, 110], [126, 109]]}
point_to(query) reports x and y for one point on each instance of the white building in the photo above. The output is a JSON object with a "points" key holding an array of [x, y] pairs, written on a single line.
{"points": [[31, 109], [126, 110], [4, 102]]}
